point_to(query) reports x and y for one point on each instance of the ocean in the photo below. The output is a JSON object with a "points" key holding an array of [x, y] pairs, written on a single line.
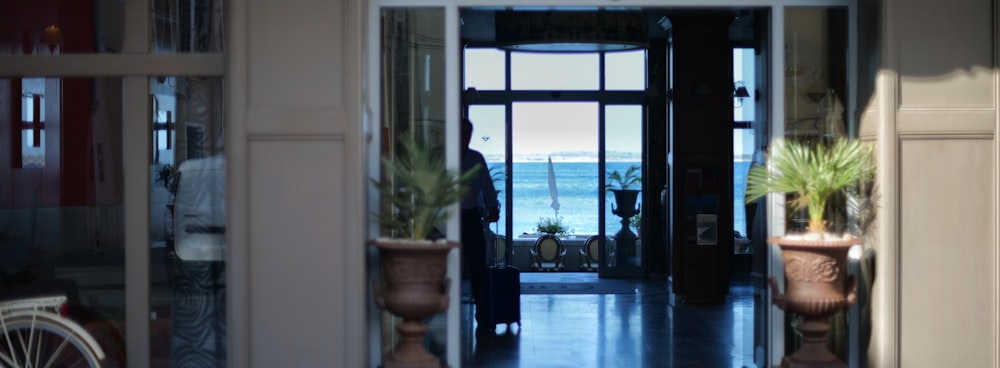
{"points": [[578, 195]]}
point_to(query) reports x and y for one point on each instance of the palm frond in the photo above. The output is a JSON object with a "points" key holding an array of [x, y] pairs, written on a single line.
{"points": [[420, 190], [812, 173]]}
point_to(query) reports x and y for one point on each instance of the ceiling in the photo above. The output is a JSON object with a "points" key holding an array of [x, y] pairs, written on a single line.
{"points": [[479, 25]]}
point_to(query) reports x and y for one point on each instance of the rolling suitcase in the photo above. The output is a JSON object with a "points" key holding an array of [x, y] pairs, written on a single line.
{"points": [[502, 302]]}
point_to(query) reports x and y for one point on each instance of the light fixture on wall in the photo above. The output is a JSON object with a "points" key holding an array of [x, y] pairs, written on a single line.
{"points": [[52, 37], [740, 92], [571, 31]]}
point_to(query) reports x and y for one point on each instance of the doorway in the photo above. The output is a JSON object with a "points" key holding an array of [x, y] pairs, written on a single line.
{"points": [[425, 36]]}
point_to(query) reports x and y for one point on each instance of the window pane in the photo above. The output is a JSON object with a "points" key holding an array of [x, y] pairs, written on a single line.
{"points": [[488, 137], [413, 103], [743, 76], [623, 150], [32, 124], [566, 133], [816, 87], [485, 69], [625, 70], [85, 27], [815, 82], [743, 148], [535, 71], [188, 221], [62, 225]]}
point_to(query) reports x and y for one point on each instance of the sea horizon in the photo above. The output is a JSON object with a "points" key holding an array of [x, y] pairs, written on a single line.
{"points": [[578, 194]]}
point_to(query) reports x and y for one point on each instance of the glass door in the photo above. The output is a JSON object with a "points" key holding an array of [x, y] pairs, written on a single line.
{"points": [[622, 213]]}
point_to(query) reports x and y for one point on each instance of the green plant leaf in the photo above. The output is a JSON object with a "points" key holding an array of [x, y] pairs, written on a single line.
{"points": [[419, 190], [812, 173]]}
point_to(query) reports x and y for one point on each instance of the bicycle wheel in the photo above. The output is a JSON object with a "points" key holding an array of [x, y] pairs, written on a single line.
{"points": [[35, 339]]}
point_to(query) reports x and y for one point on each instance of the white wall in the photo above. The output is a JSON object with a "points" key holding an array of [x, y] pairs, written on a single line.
{"points": [[296, 263], [934, 117]]}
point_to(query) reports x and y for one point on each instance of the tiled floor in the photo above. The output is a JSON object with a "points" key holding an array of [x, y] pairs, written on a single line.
{"points": [[641, 330]]}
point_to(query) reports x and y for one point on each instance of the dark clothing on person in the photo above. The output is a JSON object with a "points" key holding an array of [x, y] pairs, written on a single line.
{"points": [[479, 206]]}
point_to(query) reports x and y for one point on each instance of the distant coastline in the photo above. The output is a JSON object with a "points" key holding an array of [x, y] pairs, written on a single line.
{"points": [[569, 156], [582, 156]]}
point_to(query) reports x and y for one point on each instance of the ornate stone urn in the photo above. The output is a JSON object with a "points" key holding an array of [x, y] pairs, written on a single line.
{"points": [[413, 287], [812, 172], [815, 289], [625, 207]]}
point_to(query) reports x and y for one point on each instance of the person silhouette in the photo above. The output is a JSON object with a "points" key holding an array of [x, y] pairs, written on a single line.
{"points": [[479, 207]]}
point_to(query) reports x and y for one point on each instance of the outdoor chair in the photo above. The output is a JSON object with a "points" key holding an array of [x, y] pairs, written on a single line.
{"points": [[590, 256], [547, 254], [501, 252]]}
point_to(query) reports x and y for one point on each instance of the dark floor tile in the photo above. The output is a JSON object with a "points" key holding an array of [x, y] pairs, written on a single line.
{"points": [[641, 330]]}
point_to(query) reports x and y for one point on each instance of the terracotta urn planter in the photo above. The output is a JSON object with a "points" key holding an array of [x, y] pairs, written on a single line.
{"points": [[815, 289], [625, 207], [413, 287]]}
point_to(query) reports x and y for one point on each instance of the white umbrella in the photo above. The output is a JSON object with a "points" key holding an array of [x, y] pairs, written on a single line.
{"points": [[553, 192]]}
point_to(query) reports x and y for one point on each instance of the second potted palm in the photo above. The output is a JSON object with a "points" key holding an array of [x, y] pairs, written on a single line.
{"points": [[816, 284]]}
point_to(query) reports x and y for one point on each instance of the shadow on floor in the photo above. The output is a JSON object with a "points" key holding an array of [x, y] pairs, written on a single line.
{"points": [[644, 329]]}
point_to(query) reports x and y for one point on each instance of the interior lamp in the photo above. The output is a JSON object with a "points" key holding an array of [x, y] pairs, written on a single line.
{"points": [[52, 36], [740, 92]]}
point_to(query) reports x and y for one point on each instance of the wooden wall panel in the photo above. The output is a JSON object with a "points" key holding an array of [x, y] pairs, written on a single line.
{"points": [[945, 53], [297, 253], [948, 259], [296, 49]]}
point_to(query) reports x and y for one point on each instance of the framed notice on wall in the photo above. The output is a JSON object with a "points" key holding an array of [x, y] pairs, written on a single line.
{"points": [[707, 229]]}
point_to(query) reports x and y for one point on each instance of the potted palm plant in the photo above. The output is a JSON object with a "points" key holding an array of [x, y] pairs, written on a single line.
{"points": [[816, 284], [419, 190], [621, 185], [625, 207]]}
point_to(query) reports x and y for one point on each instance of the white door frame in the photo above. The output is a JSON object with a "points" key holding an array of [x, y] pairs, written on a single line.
{"points": [[135, 65], [775, 202]]}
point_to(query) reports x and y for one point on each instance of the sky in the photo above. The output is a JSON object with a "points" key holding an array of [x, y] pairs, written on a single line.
{"points": [[551, 127], [543, 128]]}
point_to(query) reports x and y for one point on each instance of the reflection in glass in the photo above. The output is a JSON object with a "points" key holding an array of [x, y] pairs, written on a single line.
{"points": [[815, 72], [84, 27], [188, 221], [815, 83], [32, 124], [413, 102], [62, 219]]}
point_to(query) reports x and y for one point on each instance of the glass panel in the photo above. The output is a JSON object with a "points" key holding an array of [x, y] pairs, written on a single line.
{"points": [[485, 69], [413, 102], [534, 71], [32, 124], [62, 225], [815, 72], [815, 85], [623, 152], [743, 149], [95, 27], [566, 133], [187, 26], [625, 70], [188, 221], [489, 138], [744, 84]]}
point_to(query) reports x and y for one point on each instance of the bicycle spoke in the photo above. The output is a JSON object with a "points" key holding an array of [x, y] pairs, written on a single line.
{"points": [[8, 356], [58, 353], [35, 337]]}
